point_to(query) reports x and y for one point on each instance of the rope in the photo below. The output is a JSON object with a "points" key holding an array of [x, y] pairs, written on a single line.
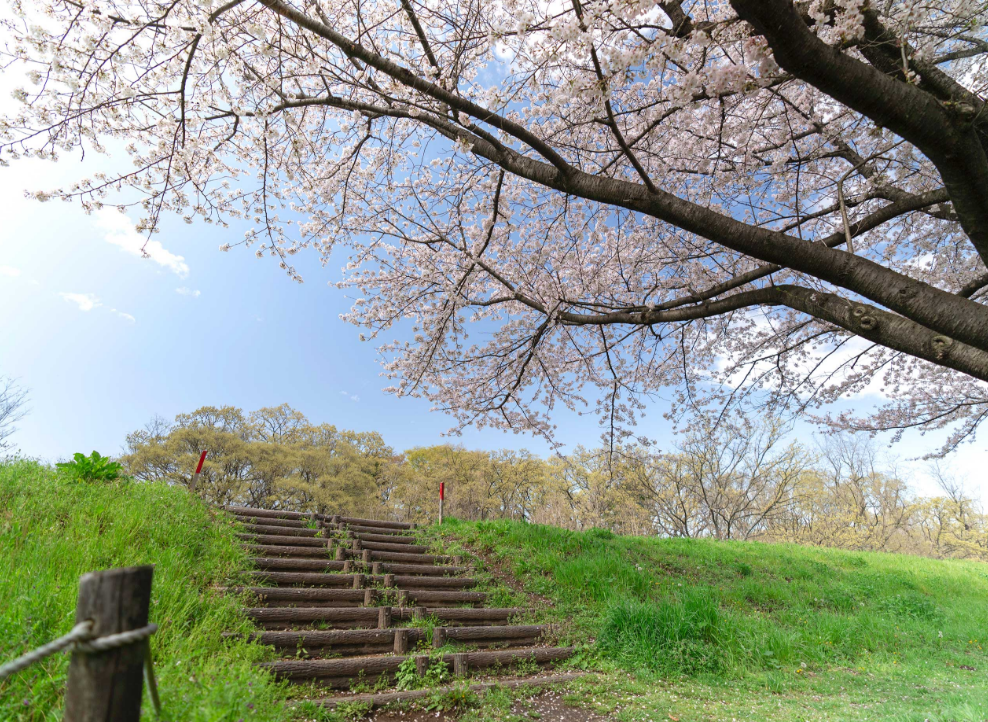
{"points": [[81, 640]]}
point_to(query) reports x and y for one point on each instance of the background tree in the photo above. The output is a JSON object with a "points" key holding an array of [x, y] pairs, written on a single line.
{"points": [[13, 398], [716, 197]]}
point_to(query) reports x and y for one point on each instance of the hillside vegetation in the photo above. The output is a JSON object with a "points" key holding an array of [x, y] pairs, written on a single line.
{"points": [[724, 481], [714, 630], [53, 530]]}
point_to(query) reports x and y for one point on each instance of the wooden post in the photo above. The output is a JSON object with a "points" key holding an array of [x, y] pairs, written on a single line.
{"points": [[358, 581], [438, 637], [401, 641], [106, 686], [347, 567], [389, 580], [375, 566], [368, 597], [366, 556], [418, 612], [383, 617], [402, 598], [340, 554], [460, 665], [421, 665]]}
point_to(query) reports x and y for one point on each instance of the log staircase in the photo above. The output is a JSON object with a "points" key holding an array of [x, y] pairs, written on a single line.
{"points": [[347, 602]]}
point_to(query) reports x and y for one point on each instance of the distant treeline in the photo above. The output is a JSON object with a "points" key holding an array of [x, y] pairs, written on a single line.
{"points": [[724, 481]]}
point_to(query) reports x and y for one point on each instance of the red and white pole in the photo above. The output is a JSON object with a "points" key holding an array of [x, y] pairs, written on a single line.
{"points": [[442, 495], [195, 479]]}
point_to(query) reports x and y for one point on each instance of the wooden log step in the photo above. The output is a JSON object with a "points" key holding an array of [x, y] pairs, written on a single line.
{"points": [[420, 569], [384, 538], [363, 616], [345, 669], [428, 597], [288, 523], [280, 530], [383, 699], [318, 579], [359, 581], [504, 633], [370, 522], [296, 595], [291, 551], [289, 564], [377, 556], [366, 529], [369, 616], [401, 548], [270, 513], [274, 540], [343, 640], [408, 581]]}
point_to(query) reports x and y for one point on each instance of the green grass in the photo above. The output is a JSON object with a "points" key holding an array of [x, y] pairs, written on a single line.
{"points": [[699, 629], [52, 531]]}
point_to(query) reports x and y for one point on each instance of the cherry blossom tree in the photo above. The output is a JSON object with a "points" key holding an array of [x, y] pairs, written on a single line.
{"points": [[744, 200]]}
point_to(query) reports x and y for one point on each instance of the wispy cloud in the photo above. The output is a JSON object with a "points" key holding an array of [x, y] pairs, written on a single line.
{"points": [[85, 301], [125, 316], [183, 291], [352, 397], [120, 232], [10, 271]]}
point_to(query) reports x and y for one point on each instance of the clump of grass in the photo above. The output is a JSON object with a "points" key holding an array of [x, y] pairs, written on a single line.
{"points": [[677, 635], [53, 530]]}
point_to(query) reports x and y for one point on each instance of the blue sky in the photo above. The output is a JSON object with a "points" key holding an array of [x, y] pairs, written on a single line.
{"points": [[104, 339]]}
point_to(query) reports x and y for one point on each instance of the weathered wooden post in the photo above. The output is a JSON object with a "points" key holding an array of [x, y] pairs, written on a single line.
{"points": [[107, 686]]}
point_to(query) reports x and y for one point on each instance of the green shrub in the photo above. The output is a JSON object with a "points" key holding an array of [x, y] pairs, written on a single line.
{"points": [[91, 468]]}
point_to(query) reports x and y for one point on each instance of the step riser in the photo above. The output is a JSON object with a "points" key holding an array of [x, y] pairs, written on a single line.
{"points": [[298, 516], [360, 581], [400, 548], [334, 669], [436, 637], [281, 530], [268, 521], [298, 541], [289, 551], [386, 698], [449, 616]]}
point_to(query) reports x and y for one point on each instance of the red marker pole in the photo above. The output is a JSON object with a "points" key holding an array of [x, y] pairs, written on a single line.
{"points": [[442, 495], [195, 479]]}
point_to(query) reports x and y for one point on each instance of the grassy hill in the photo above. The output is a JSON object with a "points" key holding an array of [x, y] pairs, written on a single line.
{"points": [[680, 630], [704, 630], [52, 531]]}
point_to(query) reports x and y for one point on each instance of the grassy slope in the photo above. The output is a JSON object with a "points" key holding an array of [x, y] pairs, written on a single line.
{"points": [[53, 531], [698, 629]]}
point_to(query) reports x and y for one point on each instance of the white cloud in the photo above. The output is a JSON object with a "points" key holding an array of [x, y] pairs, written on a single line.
{"points": [[355, 398], [344, 393], [352, 397], [125, 316], [183, 291], [10, 271], [85, 301], [120, 232]]}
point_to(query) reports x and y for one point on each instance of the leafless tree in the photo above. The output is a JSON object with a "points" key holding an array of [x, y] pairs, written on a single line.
{"points": [[13, 398]]}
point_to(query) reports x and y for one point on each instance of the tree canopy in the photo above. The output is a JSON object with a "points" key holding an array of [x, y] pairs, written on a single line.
{"points": [[623, 196]]}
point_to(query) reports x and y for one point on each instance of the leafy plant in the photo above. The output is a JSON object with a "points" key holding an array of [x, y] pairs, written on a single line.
{"points": [[91, 468]]}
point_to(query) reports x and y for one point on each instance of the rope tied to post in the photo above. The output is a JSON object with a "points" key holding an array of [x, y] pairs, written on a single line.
{"points": [[81, 639]]}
